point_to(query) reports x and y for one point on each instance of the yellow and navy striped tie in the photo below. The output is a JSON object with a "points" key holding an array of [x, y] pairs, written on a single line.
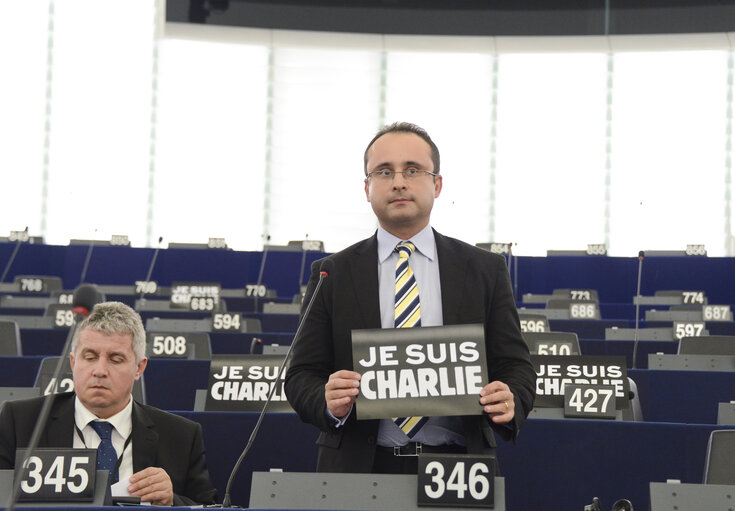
{"points": [[407, 315]]}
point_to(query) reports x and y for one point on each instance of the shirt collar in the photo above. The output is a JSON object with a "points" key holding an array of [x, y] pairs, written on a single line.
{"points": [[423, 240], [122, 421]]}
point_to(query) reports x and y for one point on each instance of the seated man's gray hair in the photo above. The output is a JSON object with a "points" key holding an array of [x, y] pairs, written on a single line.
{"points": [[114, 318]]}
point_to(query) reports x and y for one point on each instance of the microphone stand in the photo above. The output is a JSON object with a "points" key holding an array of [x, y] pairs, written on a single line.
{"points": [[226, 502], [12, 257], [260, 274], [150, 268], [641, 254], [45, 410], [86, 262]]}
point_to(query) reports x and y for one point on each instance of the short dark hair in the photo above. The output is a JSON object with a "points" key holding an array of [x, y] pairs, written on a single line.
{"points": [[405, 127]]}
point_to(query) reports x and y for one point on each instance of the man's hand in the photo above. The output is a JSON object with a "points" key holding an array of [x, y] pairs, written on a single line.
{"points": [[497, 400], [152, 485], [341, 391]]}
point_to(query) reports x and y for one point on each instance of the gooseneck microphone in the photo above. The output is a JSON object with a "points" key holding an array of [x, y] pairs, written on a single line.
{"points": [[86, 296], [12, 256], [86, 262], [150, 267], [641, 255], [326, 267], [260, 273]]}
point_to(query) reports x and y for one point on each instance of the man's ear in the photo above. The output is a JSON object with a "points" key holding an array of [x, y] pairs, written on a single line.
{"points": [[141, 368], [437, 185]]}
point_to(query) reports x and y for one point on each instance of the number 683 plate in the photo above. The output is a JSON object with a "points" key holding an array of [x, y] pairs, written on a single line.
{"points": [[466, 480]]}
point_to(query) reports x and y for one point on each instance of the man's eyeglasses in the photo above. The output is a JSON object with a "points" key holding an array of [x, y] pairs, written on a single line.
{"points": [[387, 175]]}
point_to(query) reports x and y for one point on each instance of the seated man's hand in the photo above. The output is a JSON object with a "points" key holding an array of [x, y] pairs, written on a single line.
{"points": [[341, 392], [152, 485]]}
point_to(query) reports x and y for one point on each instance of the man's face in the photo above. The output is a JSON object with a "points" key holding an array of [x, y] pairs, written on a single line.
{"points": [[403, 206], [104, 371]]}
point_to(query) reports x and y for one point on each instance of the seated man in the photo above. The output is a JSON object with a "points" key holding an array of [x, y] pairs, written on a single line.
{"points": [[162, 454]]}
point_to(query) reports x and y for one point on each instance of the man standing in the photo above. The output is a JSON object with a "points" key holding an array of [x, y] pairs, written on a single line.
{"points": [[161, 454], [406, 275]]}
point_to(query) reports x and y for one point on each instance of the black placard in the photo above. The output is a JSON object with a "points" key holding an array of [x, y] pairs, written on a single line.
{"points": [[553, 373], [583, 295], [242, 383], [46, 381], [256, 290], [456, 480], [31, 285], [216, 243], [693, 297], [596, 249], [168, 345], [227, 322], [533, 323], [199, 296], [434, 371], [66, 298], [120, 240], [584, 310], [688, 329], [57, 475], [589, 401], [61, 313], [549, 347], [21, 236], [146, 287], [716, 313]]}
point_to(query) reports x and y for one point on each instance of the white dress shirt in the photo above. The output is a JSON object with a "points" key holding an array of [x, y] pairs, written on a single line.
{"points": [[122, 423]]}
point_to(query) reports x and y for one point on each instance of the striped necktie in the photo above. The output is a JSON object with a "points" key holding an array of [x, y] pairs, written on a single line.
{"points": [[407, 315]]}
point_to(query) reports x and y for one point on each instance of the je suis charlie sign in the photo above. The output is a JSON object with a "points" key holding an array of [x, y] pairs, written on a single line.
{"points": [[432, 371]]}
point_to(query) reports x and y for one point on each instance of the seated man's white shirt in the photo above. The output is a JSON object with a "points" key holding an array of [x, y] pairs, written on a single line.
{"points": [[122, 423]]}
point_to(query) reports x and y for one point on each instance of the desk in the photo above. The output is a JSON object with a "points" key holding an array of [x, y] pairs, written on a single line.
{"points": [[554, 465]]}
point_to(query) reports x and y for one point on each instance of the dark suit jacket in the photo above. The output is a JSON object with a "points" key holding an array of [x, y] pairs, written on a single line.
{"points": [[475, 288], [160, 439]]}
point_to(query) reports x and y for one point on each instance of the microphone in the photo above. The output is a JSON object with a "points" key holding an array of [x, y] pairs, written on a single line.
{"points": [[86, 261], [641, 255], [255, 342], [12, 256], [150, 267], [260, 273], [303, 264], [86, 296], [324, 270]]}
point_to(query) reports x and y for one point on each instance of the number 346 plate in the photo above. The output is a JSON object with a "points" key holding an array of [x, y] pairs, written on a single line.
{"points": [[466, 480]]}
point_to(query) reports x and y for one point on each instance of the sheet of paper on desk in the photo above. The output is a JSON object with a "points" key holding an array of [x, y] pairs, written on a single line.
{"points": [[120, 489]]}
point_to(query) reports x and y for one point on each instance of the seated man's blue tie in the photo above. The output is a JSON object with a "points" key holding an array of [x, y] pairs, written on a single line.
{"points": [[106, 455]]}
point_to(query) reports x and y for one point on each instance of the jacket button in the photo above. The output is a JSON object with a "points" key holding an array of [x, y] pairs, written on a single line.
{"points": [[371, 440]]}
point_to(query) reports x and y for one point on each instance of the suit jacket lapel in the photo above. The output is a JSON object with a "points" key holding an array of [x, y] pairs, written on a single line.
{"points": [[145, 439], [452, 270], [60, 427], [364, 272]]}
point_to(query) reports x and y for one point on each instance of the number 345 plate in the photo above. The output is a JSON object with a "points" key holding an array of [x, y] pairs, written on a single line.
{"points": [[57, 475], [466, 480]]}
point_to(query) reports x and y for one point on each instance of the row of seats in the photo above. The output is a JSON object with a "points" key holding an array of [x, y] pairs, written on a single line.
{"points": [[671, 401]]}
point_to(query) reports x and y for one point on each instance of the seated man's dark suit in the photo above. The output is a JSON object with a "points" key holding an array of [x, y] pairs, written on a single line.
{"points": [[475, 288], [160, 439]]}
